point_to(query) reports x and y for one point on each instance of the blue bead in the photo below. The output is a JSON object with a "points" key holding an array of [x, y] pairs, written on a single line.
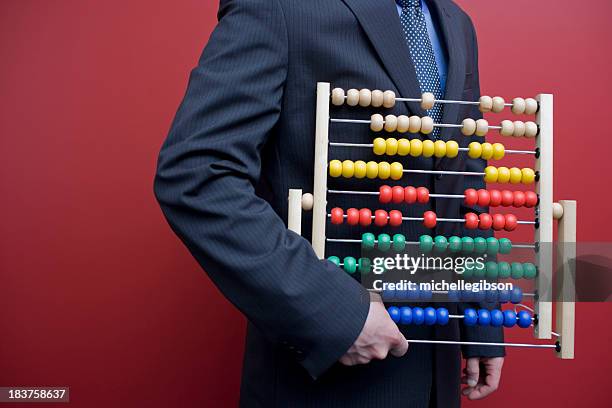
{"points": [[491, 296], [470, 317], [478, 296], [504, 296], [413, 294], [388, 295], [524, 319], [406, 315], [418, 315], [517, 295], [467, 295], [509, 318], [497, 318], [442, 316], [401, 294], [484, 317], [425, 294], [430, 316], [454, 295], [394, 312]]}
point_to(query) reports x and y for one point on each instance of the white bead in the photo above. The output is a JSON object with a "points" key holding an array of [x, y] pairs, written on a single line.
{"points": [[531, 129], [427, 125], [337, 96], [427, 101], [519, 129], [498, 104], [308, 200], [403, 123], [518, 106], [415, 124], [531, 106], [389, 99], [365, 98], [377, 122], [486, 104], [377, 98], [507, 128], [469, 127], [352, 97], [482, 127], [390, 123]]}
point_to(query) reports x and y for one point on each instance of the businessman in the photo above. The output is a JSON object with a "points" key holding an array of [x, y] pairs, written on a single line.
{"points": [[244, 135]]}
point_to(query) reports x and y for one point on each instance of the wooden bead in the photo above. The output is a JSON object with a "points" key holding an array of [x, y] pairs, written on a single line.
{"points": [[531, 106], [486, 104], [360, 169], [428, 148], [365, 97], [416, 147], [403, 147], [427, 125], [519, 129], [389, 99], [352, 97], [384, 170], [427, 101], [452, 149], [348, 169], [482, 127], [518, 106], [439, 149], [379, 146], [487, 151], [503, 175], [335, 168], [307, 201], [498, 104], [557, 211], [515, 175], [415, 124], [474, 150], [469, 127], [498, 151], [377, 122], [371, 169], [403, 123], [397, 171], [377, 98], [390, 123], [531, 129], [391, 147], [337, 96], [507, 128]]}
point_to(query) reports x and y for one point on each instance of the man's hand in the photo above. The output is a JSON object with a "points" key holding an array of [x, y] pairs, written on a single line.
{"points": [[482, 376], [378, 337]]}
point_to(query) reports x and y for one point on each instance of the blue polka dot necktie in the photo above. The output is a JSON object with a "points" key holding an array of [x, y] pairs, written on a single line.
{"points": [[421, 51]]}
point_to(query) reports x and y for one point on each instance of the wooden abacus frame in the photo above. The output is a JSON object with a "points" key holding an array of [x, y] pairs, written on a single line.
{"points": [[546, 212]]}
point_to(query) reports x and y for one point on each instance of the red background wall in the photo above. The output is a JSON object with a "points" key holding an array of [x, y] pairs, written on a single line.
{"points": [[96, 293]]}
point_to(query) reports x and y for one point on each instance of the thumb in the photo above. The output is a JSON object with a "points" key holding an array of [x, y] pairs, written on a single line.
{"points": [[400, 345], [472, 371]]}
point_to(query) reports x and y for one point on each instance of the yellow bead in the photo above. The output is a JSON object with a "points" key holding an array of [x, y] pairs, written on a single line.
{"points": [[503, 175], [348, 169], [491, 174], [487, 151], [391, 146], [384, 170], [371, 170], [498, 151], [515, 175], [360, 169], [428, 148], [380, 146], [452, 149], [439, 148], [335, 168], [397, 171], [403, 147], [528, 175], [416, 147], [474, 150]]}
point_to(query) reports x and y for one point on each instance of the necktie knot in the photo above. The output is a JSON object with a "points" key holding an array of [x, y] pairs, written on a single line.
{"points": [[409, 3]]}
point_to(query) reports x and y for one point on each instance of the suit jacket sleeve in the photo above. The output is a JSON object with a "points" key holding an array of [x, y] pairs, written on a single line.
{"points": [[478, 333], [206, 174]]}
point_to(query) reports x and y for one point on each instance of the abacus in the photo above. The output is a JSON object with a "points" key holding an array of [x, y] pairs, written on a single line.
{"points": [[541, 200]]}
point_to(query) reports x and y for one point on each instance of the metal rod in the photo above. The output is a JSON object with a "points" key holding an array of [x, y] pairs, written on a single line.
{"points": [[461, 149], [439, 125], [358, 241], [478, 343]]}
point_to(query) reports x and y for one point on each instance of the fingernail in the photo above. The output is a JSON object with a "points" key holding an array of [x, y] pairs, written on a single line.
{"points": [[471, 382]]}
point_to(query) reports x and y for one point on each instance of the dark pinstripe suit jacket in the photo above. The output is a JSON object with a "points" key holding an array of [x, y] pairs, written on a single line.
{"points": [[243, 136]]}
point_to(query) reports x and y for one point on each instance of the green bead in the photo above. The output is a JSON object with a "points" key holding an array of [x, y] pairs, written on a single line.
{"points": [[365, 265], [469, 271], [480, 271], [425, 243], [454, 244], [529, 270], [368, 241], [492, 245], [399, 242], [335, 260], [504, 270], [505, 246], [480, 245], [467, 244], [440, 243], [491, 270], [517, 270], [350, 264], [384, 242]]}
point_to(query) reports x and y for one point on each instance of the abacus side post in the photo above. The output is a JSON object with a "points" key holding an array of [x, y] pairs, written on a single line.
{"points": [[566, 263], [544, 233], [294, 215], [319, 210]]}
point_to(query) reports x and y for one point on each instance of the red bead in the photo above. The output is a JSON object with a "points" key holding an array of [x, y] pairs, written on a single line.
{"points": [[410, 195], [531, 199], [365, 217], [519, 199], [352, 216], [496, 198], [485, 221], [398, 194], [511, 222], [471, 197], [499, 221], [337, 216], [381, 218], [471, 221], [507, 198], [386, 193], [395, 218], [483, 198], [429, 219], [422, 195]]}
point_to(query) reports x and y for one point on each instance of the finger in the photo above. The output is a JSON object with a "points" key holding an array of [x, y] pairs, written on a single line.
{"points": [[347, 360], [489, 385], [400, 347], [472, 370]]}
